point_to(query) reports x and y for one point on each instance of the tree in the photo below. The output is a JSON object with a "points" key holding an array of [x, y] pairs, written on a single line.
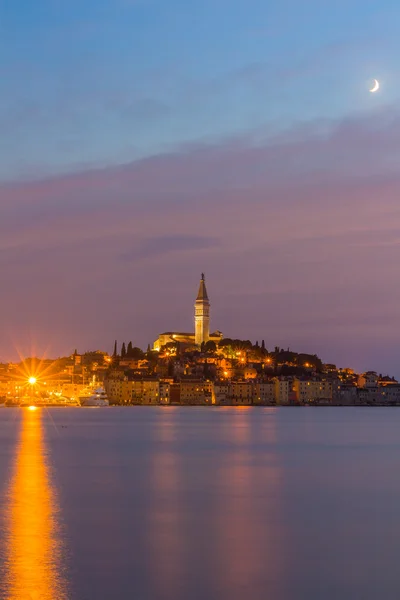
{"points": [[115, 353], [129, 349], [225, 342], [210, 346], [202, 347], [137, 353], [123, 350]]}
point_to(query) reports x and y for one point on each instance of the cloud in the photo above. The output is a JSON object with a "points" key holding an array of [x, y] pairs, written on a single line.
{"points": [[163, 245], [297, 234]]}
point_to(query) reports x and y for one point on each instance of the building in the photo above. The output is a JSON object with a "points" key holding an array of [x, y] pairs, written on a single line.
{"points": [[195, 392], [202, 315], [165, 391], [241, 392], [201, 324], [72, 390], [344, 394], [282, 389], [312, 390], [264, 392], [220, 392], [368, 380], [391, 394], [119, 391], [250, 373], [134, 391]]}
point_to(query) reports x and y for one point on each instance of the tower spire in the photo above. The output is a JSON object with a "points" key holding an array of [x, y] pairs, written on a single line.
{"points": [[202, 295]]}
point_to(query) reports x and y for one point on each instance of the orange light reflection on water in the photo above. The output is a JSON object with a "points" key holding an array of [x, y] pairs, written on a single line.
{"points": [[34, 547]]}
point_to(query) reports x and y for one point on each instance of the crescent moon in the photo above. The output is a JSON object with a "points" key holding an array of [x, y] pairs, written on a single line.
{"points": [[376, 86]]}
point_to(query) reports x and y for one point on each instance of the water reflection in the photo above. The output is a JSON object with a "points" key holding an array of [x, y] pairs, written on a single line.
{"points": [[166, 539], [249, 547], [215, 512], [34, 546]]}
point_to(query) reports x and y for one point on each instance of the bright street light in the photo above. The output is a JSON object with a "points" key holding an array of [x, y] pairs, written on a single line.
{"points": [[32, 380]]}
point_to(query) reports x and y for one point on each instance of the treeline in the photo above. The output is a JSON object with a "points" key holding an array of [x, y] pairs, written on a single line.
{"points": [[277, 356], [129, 351]]}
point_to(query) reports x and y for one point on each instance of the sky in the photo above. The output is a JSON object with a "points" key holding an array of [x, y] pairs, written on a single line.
{"points": [[143, 142]]}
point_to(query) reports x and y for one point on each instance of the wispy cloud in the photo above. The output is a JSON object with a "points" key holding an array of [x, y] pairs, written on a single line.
{"points": [[167, 244]]}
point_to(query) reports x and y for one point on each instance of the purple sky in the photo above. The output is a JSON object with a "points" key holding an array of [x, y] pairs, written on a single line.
{"points": [[143, 142], [298, 237]]}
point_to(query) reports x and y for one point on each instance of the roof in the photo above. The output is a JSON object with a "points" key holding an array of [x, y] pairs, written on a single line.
{"points": [[216, 335], [177, 333], [202, 295]]}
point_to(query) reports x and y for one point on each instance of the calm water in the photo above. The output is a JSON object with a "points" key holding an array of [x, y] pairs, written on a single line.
{"points": [[200, 504]]}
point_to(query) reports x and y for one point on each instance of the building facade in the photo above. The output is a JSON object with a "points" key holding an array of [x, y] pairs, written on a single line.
{"points": [[195, 392], [311, 390]]}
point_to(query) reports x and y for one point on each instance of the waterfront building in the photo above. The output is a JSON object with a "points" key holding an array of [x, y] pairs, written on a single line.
{"points": [[175, 393], [201, 325], [195, 392], [282, 389], [165, 391], [264, 392], [220, 392], [241, 392], [119, 391], [72, 390], [133, 391], [145, 391], [391, 394], [311, 390], [344, 393]]}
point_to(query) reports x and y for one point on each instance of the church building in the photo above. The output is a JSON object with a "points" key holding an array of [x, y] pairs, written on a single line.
{"points": [[201, 324]]}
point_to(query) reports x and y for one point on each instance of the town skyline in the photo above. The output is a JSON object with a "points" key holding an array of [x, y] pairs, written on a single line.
{"points": [[180, 372], [200, 334]]}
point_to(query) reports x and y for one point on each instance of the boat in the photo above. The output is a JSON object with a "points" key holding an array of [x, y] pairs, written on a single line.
{"points": [[54, 400], [28, 401], [94, 397], [58, 400]]}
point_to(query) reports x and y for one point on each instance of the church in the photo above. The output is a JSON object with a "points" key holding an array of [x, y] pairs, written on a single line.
{"points": [[201, 325]]}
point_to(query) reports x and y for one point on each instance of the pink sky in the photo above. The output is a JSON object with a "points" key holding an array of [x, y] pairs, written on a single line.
{"points": [[298, 236]]}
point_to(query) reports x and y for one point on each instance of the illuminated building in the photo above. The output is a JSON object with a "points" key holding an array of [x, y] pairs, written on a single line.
{"points": [[281, 391], [201, 322], [307, 390], [202, 314], [195, 392]]}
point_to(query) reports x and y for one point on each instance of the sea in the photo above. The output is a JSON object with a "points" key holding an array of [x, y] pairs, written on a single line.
{"points": [[200, 503]]}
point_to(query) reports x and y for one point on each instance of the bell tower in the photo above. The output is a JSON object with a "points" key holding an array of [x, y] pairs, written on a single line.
{"points": [[202, 314]]}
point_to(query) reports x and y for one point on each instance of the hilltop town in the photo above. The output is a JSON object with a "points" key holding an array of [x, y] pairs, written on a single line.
{"points": [[199, 368]]}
